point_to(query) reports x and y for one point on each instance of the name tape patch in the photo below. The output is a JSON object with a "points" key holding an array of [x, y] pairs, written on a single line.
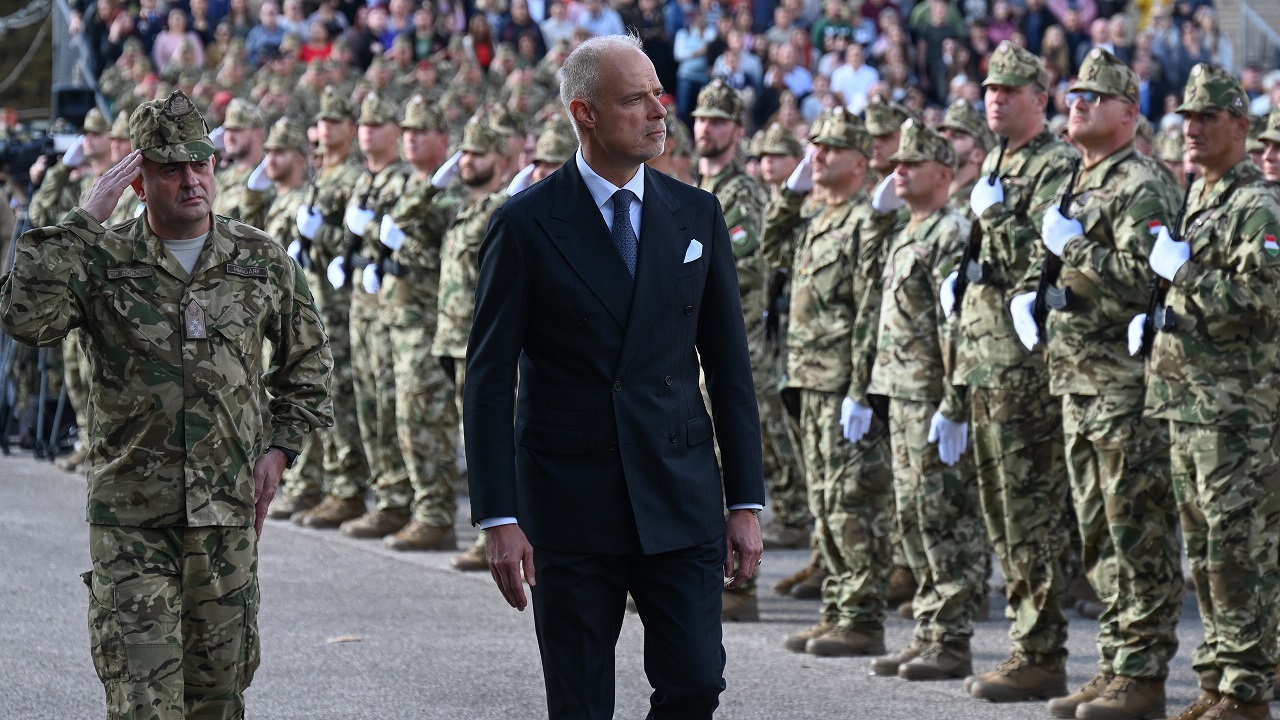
{"points": [[247, 271], [116, 273]]}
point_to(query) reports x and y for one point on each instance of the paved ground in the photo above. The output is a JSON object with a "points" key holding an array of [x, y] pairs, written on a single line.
{"points": [[351, 630]]}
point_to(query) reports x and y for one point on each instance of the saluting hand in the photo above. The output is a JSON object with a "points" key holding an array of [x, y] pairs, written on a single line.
{"points": [[104, 195]]}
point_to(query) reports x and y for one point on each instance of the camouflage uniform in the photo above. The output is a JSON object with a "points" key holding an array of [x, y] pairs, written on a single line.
{"points": [[964, 117], [171, 492], [1212, 376], [235, 200], [130, 204]]}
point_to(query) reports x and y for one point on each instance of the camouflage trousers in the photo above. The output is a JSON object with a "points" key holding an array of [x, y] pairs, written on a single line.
{"points": [[782, 465], [850, 495], [940, 520], [76, 377], [1227, 484], [373, 373], [173, 620], [1022, 482], [427, 424], [1119, 470]]}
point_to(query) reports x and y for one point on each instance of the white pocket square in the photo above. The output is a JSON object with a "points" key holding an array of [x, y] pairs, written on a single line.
{"points": [[694, 252]]}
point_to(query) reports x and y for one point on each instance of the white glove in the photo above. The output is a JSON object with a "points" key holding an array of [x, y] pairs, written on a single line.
{"points": [[1024, 323], [947, 293], [337, 274], [372, 280], [258, 180], [137, 212], [1168, 255], [392, 236], [1136, 326], [357, 219], [295, 251], [522, 180], [447, 172], [885, 198], [984, 195], [855, 419], [1058, 229], [801, 180], [309, 222], [74, 156], [215, 137], [951, 437]]}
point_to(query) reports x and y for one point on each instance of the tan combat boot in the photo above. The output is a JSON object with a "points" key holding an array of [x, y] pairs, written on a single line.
{"points": [[1017, 680], [740, 606], [73, 461], [940, 661], [418, 535], [1229, 708], [811, 587], [841, 641], [796, 641], [330, 513], [887, 665], [472, 560], [379, 523], [284, 506], [777, 536], [1201, 705], [902, 586], [1126, 698], [783, 586], [1065, 707]]}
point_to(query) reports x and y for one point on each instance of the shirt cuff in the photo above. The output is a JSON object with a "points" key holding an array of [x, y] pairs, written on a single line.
{"points": [[487, 523], [746, 506]]}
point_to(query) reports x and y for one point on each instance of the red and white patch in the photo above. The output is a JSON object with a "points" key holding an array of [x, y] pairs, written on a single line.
{"points": [[1269, 244], [737, 233]]}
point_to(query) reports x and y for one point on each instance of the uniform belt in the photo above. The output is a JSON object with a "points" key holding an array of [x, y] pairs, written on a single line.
{"points": [[394, 268]]}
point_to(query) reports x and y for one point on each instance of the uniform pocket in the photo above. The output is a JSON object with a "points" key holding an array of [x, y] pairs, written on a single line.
{"points": [[106, 641]]}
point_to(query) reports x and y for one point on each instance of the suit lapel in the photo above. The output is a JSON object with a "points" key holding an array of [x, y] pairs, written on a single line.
{"points": [[659, 253]]}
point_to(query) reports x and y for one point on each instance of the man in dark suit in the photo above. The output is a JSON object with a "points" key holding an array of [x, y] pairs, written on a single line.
{"points": [[604, 287]]}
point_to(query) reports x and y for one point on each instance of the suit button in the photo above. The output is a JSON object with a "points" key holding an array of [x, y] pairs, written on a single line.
{"points": [[617, 386], [672, 437], [667, 380], [688, 309]]}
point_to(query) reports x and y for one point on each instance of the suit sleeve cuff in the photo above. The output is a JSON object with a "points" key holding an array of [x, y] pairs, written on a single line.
{"points": [[494, 522], [746, 506]]}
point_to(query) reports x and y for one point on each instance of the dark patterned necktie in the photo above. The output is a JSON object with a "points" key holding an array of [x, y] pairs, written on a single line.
{"points": [[624, 236]]}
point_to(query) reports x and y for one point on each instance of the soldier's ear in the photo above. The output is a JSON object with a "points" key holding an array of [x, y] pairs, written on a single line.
{"points": [[137, 188]]}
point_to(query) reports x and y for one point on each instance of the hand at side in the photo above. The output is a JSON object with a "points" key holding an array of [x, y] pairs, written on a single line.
{"points": [[743, 547], [509, 554]]}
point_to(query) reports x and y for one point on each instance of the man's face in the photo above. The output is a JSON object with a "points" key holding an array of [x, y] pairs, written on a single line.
{"points": [[178, 194], [1094, 117], [713, 137], [882, 148], [542, 169], [837, 167], [378, 140], [629, 121], [1271, 160], [423, 147], [917, 181], [1010, 110], [962, 142], [97, 146], [1213, 138], [477, 169], [119, 148], [281, 164], [775, 169], [855, 56], [240, 143]]}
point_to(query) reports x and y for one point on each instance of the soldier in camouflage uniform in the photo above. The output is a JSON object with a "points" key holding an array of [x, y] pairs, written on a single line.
{"points": [[286, 165], [129, 206], [1270, 139], [1212, 371], [176, 492], [972, 140], [938, 512], [1016, 423], [242, 139], [1117, 460], [835, 259]]}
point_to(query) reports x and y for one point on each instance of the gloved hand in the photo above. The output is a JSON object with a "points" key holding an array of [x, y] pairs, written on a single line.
{"points": [[801, 180], [985, 194], [951, 437], [1057, 229], [74, 156], [258, 180], [1136, 325], [309, 222], [215, 137], [392, 236], [947, 293], [372, 280], [522, 180], [137, 212], [885, 198], [855, 419], [447, 172], [357, 219], [1168, 255], [295, 251], [337, 273], [1023, 321]]}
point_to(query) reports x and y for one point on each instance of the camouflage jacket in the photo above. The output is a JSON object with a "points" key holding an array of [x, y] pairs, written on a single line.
{"points": [[1218, 365], [280, 220], [411, 288], [459, 273], [743, 200], [236, 201], [959, 200], [914, 348], [988, 353], [175, 425], [329, 193], [835, 260], [59, 191], [1117, 201], [377, 192]]}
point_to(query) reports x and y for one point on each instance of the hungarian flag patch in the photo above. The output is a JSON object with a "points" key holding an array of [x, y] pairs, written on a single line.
{"points": [[738, 234], [1269, 244]]}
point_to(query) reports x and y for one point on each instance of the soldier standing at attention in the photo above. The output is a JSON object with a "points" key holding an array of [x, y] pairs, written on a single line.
{"points": [[174, 307], [1117, 461], [129, 206], [1270, 139], [1016, 423], [972, 140], [1212, 373], [242, 132]]}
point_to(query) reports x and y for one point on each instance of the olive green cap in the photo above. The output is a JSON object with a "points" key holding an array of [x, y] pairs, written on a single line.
{"points": [[132, 44], [170, 130], [287, 134], [376, 110], [1169, 147], [843, 129], [1104, 73], [420, 114], [95, 122], [1015, 66], [884, 116], [290, 41], [505, 120], [778, 140], [719, 100], [478, 137], [241, 115], [1210, 89], [556, 144], [963, 117], [921, 143], [333, 105], [1271, 133], [120, 128], [1253, 141]]}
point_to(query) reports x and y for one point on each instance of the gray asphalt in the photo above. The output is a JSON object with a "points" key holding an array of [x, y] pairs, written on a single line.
{"points": [[352, 630]]}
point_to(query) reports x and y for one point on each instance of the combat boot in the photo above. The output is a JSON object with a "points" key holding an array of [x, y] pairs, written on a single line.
{"points": [[1065, 707], [418, 535], [1201, 705], [783, 586], [1126, 698], [907, 610], [1229, 708], [902, 586], [471, 560], [940, 661], [777, 536], [796, 641], [74, 460], [330, 513], [379, 523], [284, 506], [740, 606], [887, 665], [841, 641], [811, 587], [1017, 680]]}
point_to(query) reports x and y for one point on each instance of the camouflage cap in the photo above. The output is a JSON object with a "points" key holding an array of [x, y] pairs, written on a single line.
{"points": [[719, 100], [377, 110], [842, 129], [1015, 66], [1210, 89], [556, 144], [505, 120], [884, 116], [1169, 147], [120, 128], [778, 140], [333, 105], [963, 117], [170, 130], [1272, 131], [420, 114], [921, 143], [241, 115], [1253, 141], [1142, 128], [678, 131], [1104, 73], [132, 45], [287, 134], [95, 122], [478, 137]]}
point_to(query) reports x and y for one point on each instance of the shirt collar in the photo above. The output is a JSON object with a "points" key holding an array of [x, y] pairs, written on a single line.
{"points": [[602, 190]]}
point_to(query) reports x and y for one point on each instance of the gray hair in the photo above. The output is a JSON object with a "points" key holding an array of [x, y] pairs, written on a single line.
{"points": [[580, 74]]}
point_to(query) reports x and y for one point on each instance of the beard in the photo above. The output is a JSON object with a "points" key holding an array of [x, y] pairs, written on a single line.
{"points": [[478, 177]]}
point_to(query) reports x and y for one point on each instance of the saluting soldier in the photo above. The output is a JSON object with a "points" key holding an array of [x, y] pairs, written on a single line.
{"points": [[129, 206], [242, 135], [966, 127]]}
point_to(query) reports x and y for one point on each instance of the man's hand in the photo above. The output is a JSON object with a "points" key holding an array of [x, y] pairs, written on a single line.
{"points": [[1058, 229], [855, 419], [1168, 255], [308, 221], [447, 172], [1136, 327], [357, 219], [742, 538], [1024, 321], [947, 294], [391, 235], [266, 480], [510, 554], [950, 437], [104, 195], [984, 195], [258, 180]]}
